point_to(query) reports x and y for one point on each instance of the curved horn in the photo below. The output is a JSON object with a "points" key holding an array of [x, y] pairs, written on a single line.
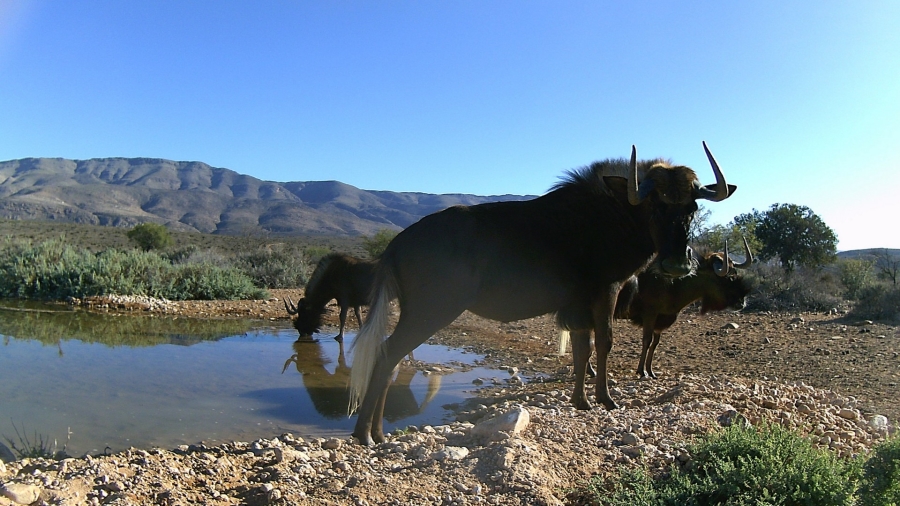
{"points": [[748, 257], [721, 192], [723, 270], [633, 197], [292, 309]]}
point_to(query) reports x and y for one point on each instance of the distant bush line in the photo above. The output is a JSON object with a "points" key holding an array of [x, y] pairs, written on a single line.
{"points": [[54, 270]]}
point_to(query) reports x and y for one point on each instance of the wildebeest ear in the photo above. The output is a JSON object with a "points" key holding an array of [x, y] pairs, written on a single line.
{"points": [[619, 185]]}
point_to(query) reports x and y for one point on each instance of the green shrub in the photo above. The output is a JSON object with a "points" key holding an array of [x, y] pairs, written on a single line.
{"points": [[376, 244], [150, 236], [768, 465], [878, 302], [209, 282], [856, 275], [802, 289], [880, 484], [315, 253], [275, 267]]}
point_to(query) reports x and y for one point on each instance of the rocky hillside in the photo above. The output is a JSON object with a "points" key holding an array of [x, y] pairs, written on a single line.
{"points": [[195, 197]]}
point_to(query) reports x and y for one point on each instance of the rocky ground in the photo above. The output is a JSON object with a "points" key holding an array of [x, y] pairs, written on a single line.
{"points": [[822, 374]]}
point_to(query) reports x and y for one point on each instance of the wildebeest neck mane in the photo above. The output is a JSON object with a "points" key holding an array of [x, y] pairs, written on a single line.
{"points": [[318, 274]]}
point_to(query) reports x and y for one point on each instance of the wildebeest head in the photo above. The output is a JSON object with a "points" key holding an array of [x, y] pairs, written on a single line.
{"points": [[727, 288], [669, 194], [308, 319]]}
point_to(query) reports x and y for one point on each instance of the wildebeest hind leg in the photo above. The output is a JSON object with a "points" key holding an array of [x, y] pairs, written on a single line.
{"points": [[603, 340], [653, 345], [413, 328], [581, 354]]}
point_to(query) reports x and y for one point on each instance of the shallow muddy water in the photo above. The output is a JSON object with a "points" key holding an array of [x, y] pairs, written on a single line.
{"points": [[122, 381]]}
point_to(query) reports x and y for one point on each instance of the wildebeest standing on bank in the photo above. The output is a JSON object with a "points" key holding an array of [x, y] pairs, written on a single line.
{"points": [[565, 252], [337, 276], [652, 301]]}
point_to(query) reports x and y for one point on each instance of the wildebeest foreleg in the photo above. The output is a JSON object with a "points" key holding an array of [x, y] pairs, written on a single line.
{"points": [[343, 321], [581, 355], [603, 340]]}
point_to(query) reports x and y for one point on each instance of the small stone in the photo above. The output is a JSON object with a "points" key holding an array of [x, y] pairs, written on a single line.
{"points": [[332, 444], [630, 438], [731, 326], [848, 414]]}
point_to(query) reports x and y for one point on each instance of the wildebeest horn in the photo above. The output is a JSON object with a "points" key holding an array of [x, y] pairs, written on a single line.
{"points": [[721, 191], [292, 309], [748, 257], [723, 269], [633, 197]]}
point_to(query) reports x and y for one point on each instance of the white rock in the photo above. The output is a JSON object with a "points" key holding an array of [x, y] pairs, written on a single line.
{"points": [[878, 422], [21, 493], [450, 453], [511, 422]]}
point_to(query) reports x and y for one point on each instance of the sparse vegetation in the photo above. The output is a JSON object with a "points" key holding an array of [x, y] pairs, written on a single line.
{"points": [[38, 447]]}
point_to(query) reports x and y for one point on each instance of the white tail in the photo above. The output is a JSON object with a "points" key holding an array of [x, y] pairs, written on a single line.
{"points": [[368, 345], [563, 341]]}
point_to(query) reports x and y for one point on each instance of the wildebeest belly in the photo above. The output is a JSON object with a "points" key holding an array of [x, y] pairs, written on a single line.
{"points": [[519, 299]]}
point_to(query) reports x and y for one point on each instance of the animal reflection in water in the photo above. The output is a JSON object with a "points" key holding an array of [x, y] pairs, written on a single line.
{"points": [[329, 391]]}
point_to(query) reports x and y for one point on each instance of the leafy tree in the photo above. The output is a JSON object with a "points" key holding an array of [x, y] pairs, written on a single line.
{"points": [[795, 235], [741, 227], [376, 244], [150, 236]]}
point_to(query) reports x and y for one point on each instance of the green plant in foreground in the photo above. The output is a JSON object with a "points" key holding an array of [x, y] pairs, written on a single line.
{"points": [[766, 465], [880, 484]]}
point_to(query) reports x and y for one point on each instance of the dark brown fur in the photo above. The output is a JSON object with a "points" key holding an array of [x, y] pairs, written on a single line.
{"points": [[337, 276], [652, 301]]}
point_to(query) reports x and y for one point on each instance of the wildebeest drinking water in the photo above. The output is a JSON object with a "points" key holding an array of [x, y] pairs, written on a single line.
{"points": [[567, 252], [653, 302], [337, 276]]}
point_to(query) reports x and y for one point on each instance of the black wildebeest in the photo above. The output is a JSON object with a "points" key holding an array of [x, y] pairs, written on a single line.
{"points": [[652, 301], [567, 252], [337, 276]]}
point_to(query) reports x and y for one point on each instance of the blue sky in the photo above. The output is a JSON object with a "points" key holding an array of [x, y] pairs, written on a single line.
{"points": [[799, 101]]}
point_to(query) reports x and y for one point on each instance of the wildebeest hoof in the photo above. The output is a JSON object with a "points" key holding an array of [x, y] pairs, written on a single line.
{"points": [[339, 338], [307, 340], [365, 440], [582, 404], [609, 404]]}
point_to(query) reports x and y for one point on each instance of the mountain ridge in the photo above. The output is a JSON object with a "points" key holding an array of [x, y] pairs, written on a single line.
{"points": [[193, 196]]}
